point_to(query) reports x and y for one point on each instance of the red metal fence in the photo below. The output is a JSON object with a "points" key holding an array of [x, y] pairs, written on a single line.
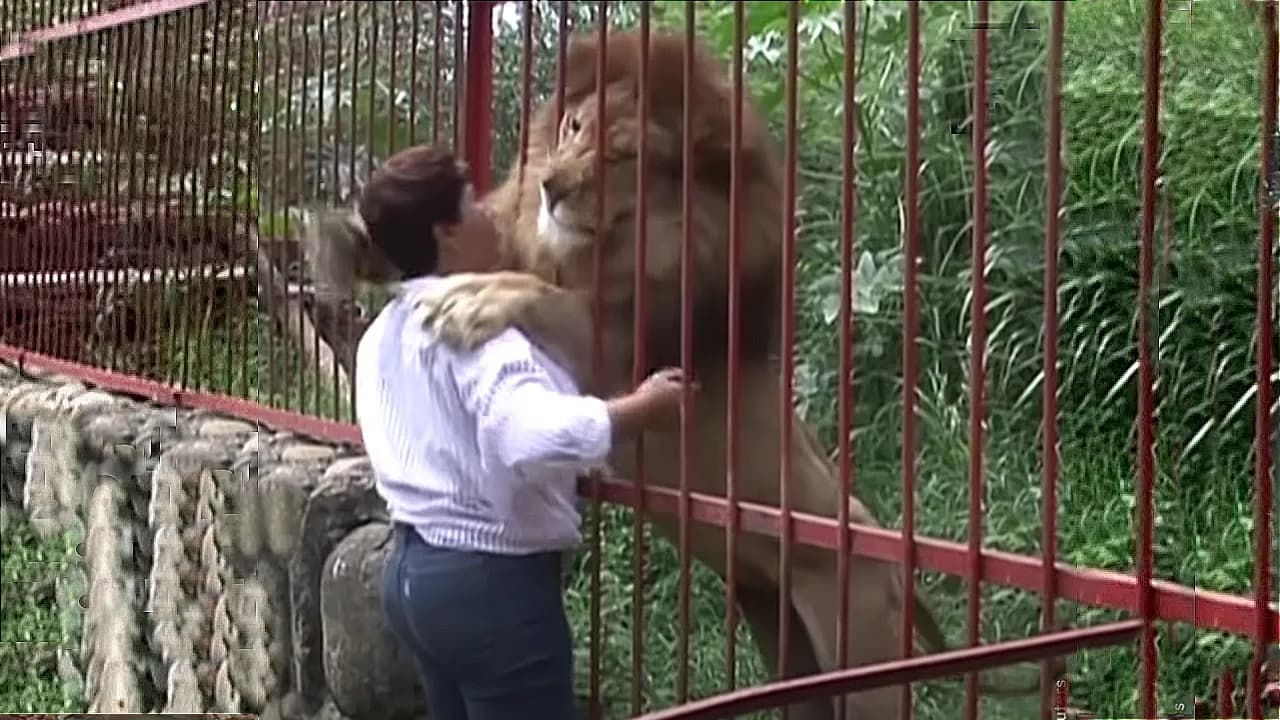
{"points": [[158, 157]]}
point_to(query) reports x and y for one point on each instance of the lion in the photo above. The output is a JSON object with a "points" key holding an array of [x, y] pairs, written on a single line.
{"points": [[547, 214]]}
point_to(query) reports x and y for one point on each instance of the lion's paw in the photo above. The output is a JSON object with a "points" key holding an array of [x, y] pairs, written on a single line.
{"points": [[468, 310]]}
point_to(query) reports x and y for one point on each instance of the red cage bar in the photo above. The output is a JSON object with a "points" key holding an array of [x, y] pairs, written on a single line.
{"points": [[733, 440], [640, 361], [87, 257], [977, 361], [1266, 631], [479, 93], [1049, 402], [1146, 367]]}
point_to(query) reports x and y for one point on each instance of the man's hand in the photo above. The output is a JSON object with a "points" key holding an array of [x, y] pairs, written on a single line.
{"points": [[655, 402], [661, 393]]}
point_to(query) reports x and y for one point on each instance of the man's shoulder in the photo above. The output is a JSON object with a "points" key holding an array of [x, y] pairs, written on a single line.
{"points": [[508, 345], [397, 319], [371, 337], [392, 332]]}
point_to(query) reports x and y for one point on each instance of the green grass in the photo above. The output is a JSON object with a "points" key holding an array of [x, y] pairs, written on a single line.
{"points": [[31, 630]]}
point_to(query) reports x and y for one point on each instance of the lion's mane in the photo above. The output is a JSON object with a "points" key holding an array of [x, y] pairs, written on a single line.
{"points": [[516, 203]]}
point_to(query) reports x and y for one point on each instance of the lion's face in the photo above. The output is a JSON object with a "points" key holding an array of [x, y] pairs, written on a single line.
{"points": [[569, 216], [581, 185]]}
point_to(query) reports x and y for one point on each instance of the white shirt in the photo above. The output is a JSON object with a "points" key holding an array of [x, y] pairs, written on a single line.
{"points": [[478, 450]]}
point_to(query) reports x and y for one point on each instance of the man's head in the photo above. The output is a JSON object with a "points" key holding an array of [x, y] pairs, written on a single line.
{"points": [[420, 212], [416, 216]]}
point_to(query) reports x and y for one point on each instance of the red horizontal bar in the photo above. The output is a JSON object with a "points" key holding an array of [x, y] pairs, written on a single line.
{"points": [[1098, 588], [317, 428], [26, 42], [916, 669]]}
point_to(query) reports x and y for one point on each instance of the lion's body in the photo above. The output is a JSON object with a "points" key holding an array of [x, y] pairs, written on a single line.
{"points": [[561, 241]]}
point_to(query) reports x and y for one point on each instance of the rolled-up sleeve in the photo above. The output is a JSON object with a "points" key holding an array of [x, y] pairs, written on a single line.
{"points": [[522, 419]]}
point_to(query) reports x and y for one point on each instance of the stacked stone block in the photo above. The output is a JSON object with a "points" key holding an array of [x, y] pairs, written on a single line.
{"points": [[225, 567]]}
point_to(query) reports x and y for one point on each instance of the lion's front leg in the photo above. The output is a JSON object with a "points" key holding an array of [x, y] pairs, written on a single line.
{"points": [[466, 310], [469, 309]]}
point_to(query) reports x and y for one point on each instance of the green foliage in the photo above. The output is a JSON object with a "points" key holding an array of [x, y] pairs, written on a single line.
{"points": [[31, 628], [1203, 324]]}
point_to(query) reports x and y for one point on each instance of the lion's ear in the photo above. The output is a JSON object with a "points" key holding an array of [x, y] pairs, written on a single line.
{"points": [[580, 64]]}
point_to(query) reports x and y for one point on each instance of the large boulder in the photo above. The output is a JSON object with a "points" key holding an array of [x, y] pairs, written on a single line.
{"points": [[368, 672]]}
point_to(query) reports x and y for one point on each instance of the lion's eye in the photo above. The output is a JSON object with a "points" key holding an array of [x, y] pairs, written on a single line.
{"points": [[574, 125]]}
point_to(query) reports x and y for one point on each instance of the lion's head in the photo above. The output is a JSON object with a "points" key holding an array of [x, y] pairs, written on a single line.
{"points": [[568, 209], [551, 209]]}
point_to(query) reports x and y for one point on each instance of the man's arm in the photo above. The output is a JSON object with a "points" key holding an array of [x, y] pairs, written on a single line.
{"points": [[521, 417]]}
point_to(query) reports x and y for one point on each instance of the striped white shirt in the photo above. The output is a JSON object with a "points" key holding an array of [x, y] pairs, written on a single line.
{"points": [[478, 450]]}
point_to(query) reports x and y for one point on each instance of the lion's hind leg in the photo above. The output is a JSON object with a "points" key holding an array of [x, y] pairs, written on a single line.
{"points": [[873, 625], [761, 611], [466, 310]]}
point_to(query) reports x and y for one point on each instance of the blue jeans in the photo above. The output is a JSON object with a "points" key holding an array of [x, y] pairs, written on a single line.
{"points": [[489, 631]]}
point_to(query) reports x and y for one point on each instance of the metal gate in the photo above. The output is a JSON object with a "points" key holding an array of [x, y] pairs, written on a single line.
{"points": [[158, 156]]}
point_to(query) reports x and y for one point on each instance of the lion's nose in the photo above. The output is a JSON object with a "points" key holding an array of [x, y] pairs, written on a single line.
{"points": [[552, 193]]}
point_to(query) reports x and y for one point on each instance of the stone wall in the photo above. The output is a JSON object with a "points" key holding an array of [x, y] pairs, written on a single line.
{"points": [[223, 566]]}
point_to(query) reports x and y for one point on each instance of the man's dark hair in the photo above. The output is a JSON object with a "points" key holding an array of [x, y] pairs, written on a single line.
{"points": [[416, 189], [390, 236]]}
